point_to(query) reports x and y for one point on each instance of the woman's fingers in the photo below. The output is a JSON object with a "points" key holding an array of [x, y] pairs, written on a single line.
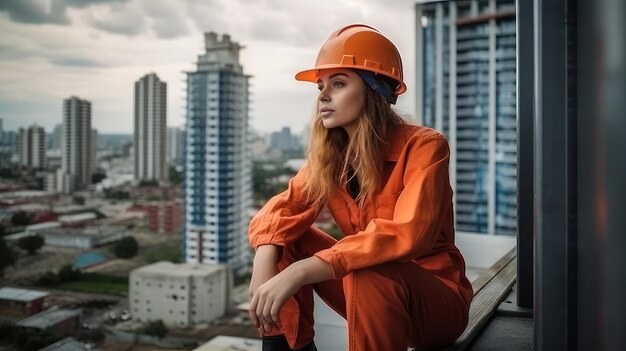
{"points": [[267, 317], [252, 310], [264, 311], [274, 313]]}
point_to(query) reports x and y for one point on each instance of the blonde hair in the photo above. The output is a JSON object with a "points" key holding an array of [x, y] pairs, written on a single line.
{"points": [[331, 153]]}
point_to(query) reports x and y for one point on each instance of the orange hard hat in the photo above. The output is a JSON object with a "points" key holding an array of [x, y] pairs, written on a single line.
{"points": [[360, 47]]}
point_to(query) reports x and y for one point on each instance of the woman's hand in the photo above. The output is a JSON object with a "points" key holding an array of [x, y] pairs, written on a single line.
{"points": [[269, 297]]}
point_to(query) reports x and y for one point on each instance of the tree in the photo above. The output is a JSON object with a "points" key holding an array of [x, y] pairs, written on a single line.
{"points": [[126, 248], [7, 256], [155, 328], [31, 243], [98, 176], [21, 218], [68, 273], [175, 177]]}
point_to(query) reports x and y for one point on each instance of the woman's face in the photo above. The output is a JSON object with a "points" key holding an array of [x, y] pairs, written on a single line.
{"points": [[341, 98]]}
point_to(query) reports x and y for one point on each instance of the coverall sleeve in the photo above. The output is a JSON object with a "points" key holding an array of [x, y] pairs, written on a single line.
{"points": [[285, 217], [417, 217]]}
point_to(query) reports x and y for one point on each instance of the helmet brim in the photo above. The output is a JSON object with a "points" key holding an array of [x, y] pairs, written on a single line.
{"points": [[312, 75]]}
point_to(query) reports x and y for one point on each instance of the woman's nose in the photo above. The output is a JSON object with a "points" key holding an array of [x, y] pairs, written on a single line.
{"points": [[323, 96]]}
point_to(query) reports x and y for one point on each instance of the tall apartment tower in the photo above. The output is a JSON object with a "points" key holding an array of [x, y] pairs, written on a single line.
{"points": [[94, 149], [76, 145], [175, 147], [217, 165], [150, 129], [466, 88], [32, 147]]}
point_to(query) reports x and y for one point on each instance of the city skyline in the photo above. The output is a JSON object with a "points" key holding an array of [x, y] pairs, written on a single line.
{"points": [[97, 49]]}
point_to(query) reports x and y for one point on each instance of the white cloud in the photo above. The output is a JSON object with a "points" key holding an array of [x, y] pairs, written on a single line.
{"points": [[110, 45]]}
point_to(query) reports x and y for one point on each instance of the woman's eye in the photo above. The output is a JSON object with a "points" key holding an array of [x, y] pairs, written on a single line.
{"points": [[338, 84], [319, 87]]}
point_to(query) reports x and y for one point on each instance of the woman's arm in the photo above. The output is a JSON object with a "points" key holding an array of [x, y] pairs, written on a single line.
{"points": [[285, 217], [418, 217], [269, 297]]}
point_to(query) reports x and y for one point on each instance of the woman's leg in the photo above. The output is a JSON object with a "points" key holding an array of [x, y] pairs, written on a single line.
{"points": [[396, 305], [296, 316]]}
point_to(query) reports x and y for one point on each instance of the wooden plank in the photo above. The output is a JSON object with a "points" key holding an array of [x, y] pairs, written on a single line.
{"points": [[479, 283]]}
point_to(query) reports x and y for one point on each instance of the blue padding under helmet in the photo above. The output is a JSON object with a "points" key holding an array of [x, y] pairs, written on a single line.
{"points": [[377, 83]]}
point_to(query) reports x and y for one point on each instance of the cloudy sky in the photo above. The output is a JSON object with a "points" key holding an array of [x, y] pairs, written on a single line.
{"points": [[97, 49]]}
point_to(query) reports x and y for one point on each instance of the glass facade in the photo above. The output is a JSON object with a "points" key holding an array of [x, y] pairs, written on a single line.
{"points": [[467, 57], [217, 175]]}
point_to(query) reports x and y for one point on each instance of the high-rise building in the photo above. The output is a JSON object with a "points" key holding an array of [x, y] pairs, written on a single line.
{"points": [[174, 145], [282, 140], [76, 145], [32, 147], [54, 140], [217, 165], [466, 88], [94, 149], [150, 129]]}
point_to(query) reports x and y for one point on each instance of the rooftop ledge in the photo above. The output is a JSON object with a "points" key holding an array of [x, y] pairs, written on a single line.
{"points": [[491, 267]]}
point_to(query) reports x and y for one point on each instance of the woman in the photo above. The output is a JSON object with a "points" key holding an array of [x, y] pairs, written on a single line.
{"points": [[397, 276]]}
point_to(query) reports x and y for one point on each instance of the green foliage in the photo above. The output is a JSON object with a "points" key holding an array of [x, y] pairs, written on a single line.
{"points": [[98, 176], [126, 248], [49, 279], [147, 183], [335, 232], [7, 256], [175, 176], [265, 182], [167, 252], [21, 218], [155, 328], [25, 339], [31, 243], [98, 283], [68, 273]]}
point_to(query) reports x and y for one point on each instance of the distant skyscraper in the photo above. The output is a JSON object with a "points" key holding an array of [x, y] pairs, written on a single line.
{"points": [[466, 74], [174, 145], [32, 147], [76, 145], [94, 149], [283, 140], [217, 165], [54, 140], [150, 128]]}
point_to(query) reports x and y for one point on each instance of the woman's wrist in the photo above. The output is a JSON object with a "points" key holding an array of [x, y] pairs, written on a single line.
{"points": [[310, 270], [268, 253]]}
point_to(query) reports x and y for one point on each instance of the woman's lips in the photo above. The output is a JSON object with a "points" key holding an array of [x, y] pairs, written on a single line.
{"points": [[325, 112]]}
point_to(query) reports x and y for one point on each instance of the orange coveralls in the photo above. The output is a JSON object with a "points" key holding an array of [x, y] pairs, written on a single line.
{"points": [[399, 278]]}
